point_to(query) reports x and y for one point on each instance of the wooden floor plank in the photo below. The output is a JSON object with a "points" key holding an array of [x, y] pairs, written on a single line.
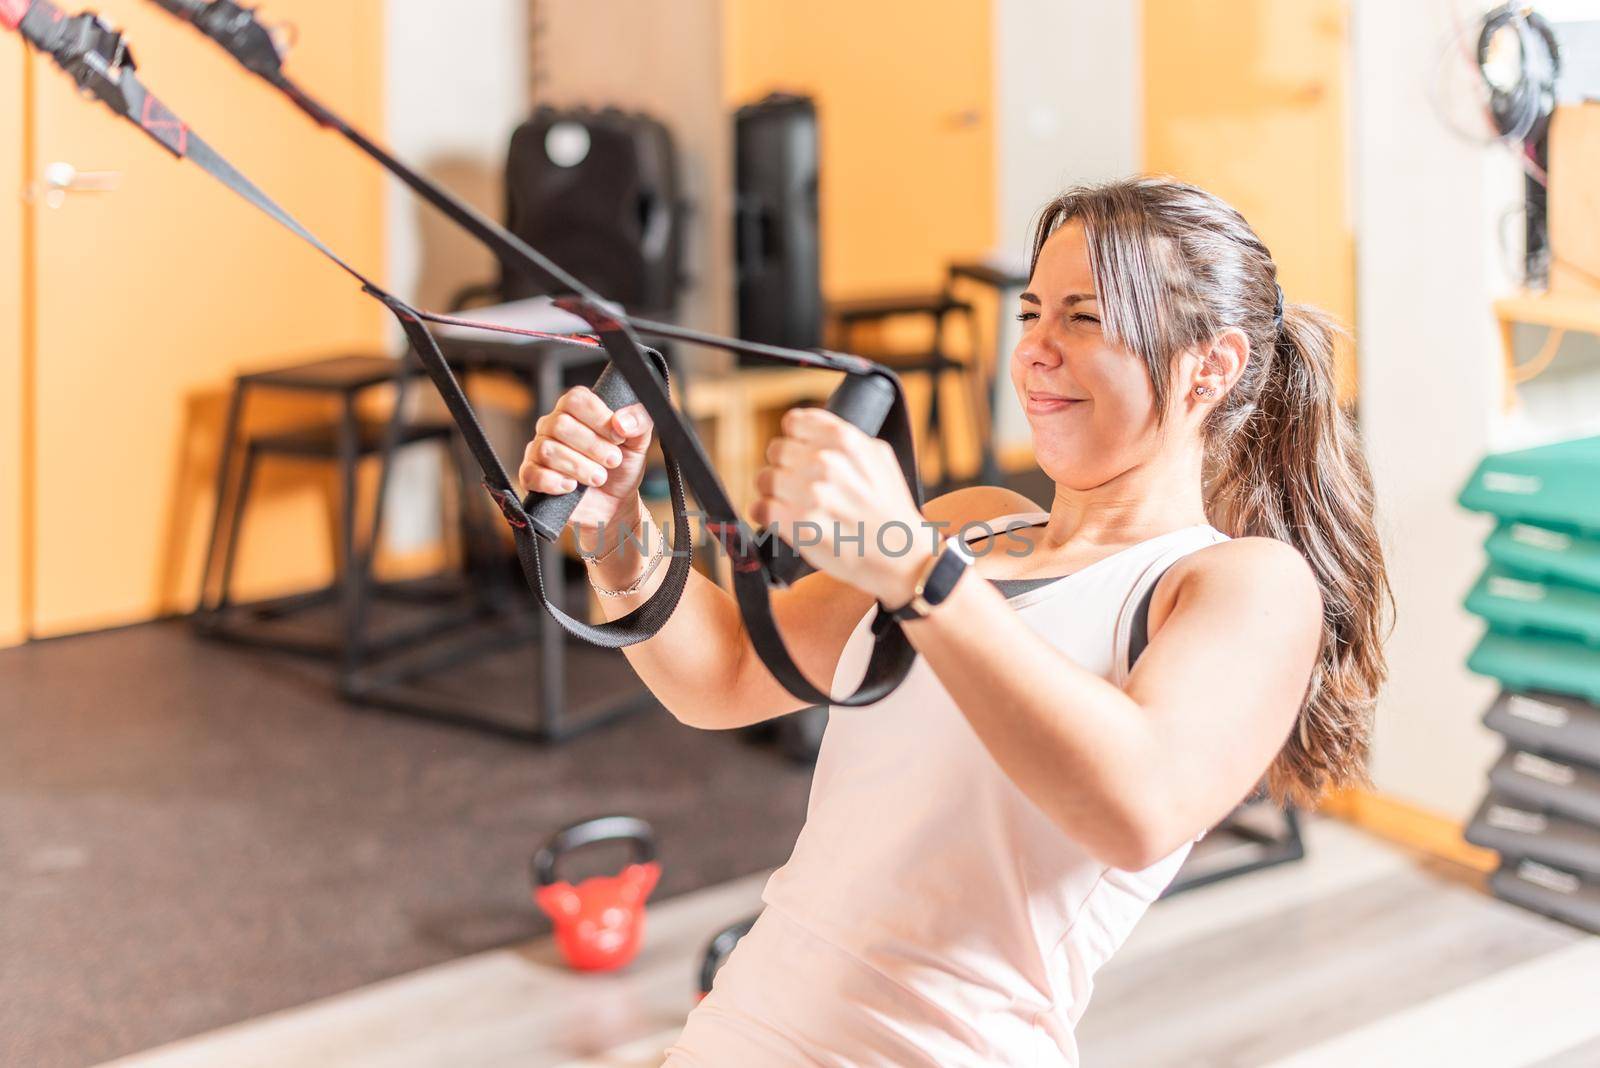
{"points": [[1337, 857], [512, 1007], [1583, 1055], [1263, 989], [1354, 954], [1542, 1008]]}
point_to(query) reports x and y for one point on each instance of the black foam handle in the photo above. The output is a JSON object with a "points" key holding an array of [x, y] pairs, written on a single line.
{"points": [[863, 401], [548, 512]]}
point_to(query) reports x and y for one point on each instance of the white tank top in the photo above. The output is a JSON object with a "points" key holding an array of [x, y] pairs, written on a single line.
{"points": [[931, 914]]}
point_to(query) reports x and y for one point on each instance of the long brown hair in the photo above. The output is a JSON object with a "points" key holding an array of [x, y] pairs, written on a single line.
{"points": [[1173, 266]]}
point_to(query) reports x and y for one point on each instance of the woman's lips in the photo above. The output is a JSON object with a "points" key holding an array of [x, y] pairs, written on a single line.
{"points": [[1046, 403]]}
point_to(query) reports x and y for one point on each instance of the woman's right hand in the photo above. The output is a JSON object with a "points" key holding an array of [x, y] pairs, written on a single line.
{"points": [[582, 442]]}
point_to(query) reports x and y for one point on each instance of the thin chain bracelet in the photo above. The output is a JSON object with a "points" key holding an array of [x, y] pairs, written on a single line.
{"points": [[637, 584], [591, 559]]}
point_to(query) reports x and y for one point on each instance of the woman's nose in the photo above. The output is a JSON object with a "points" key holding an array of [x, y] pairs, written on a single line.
{"points": [[1037, 349]]}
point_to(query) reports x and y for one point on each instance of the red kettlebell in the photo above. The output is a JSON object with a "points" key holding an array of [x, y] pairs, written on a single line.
{"points": [[599, 923]]}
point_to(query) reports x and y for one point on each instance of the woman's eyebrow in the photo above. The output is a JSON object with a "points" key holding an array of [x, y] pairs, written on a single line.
{"points": [[1069, 300]]}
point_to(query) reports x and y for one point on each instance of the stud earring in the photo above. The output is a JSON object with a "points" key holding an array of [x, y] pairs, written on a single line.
{"points": [[1203, 391]]}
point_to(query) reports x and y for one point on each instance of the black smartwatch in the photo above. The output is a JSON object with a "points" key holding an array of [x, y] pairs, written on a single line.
{"points": [[936, 580]]}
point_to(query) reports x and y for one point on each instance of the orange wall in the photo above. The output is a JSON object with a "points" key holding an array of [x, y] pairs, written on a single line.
{"points": [[904, 92], [147, 300], [1249, 99], [12, 386]]}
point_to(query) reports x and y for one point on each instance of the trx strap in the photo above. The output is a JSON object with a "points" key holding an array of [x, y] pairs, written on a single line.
{"points": [[870, 396]]}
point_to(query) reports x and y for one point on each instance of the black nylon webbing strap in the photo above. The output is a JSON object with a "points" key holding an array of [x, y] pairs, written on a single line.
{"points": [[238, 30], [636, 626], [97, 59]]}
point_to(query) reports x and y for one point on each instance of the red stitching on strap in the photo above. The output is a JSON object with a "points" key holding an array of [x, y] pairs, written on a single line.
{"points": [[500, 497], [450, 320], [740, 555], [12, 12], [164, 120]]}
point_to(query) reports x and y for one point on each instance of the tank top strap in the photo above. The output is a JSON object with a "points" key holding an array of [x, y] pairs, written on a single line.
{"points": [[1166, 550]]}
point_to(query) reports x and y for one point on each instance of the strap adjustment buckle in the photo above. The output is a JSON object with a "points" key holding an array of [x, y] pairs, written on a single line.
{"points": [[510, 507], [93, 52], [238, 30]]}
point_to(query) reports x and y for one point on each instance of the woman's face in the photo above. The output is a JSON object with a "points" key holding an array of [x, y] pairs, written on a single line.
{"points": [[1088, 400]]}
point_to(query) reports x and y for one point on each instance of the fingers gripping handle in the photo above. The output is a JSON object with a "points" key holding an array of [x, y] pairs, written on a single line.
{"points": [[548, 512], [863, 401]]}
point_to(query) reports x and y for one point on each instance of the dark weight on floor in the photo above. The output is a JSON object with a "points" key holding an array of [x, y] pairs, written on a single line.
{"points": [[720, 948]]}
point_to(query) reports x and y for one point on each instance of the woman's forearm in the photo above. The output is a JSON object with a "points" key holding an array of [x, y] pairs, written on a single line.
{"points": [[692, 665]]}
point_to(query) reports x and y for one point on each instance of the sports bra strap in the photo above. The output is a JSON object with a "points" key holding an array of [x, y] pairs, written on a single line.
{"points": [[1139, 633]]}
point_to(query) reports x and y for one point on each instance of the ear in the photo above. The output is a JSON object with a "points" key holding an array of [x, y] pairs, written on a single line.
{"points": [[1218, 366]]}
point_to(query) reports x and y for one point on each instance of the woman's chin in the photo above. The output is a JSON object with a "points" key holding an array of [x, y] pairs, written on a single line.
{"points": [[1071, 461], [1063, 446]]}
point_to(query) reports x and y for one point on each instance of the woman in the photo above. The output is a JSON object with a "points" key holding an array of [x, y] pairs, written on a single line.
{"points": [[983, 839]]}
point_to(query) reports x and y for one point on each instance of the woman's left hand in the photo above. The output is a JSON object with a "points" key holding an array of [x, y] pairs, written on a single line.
{"points": [[840, 498]]}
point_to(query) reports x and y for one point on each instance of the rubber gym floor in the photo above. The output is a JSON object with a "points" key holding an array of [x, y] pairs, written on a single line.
{"points": [[193, 834]]}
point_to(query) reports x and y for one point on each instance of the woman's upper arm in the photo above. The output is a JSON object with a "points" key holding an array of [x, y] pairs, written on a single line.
{"points": [[1236, 629]]}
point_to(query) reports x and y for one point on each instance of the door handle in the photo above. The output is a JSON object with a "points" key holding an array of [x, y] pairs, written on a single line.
{"points": [[63, 178]]}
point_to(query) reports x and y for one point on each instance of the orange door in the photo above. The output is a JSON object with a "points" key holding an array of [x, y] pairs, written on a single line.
{"points": [[904, 92], [1249, 99], [153, 285], [13, 610]]}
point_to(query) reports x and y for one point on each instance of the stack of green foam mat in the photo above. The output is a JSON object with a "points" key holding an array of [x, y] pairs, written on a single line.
{"points": [[1540, 597]]}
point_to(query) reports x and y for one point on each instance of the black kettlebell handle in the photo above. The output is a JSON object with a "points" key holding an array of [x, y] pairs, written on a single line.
{"points": [[591, 832], [720, 947], [863, 401]]}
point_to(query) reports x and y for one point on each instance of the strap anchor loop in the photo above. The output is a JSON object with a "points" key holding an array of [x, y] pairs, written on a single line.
{"points": [[510, 507]]}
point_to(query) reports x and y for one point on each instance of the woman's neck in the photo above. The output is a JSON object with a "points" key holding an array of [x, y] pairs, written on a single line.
{"points": [[1141, 503]]}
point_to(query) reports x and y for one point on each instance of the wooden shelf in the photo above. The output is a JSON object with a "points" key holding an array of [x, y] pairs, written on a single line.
{"points": [[1559, 311]]}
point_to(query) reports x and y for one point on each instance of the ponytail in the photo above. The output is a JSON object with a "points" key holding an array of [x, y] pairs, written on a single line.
{"points": [[1296, 473], [1174, 266]]}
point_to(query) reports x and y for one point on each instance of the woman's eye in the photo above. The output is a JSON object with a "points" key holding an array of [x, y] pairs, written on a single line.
{"points": [[1082, 317], [1023, 317]]}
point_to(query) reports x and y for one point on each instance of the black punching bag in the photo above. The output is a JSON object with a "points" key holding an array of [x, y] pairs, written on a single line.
{"points": [[776, 227]]}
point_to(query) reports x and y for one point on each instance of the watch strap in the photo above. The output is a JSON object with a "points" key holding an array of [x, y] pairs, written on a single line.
{"points": [[952, 562]]}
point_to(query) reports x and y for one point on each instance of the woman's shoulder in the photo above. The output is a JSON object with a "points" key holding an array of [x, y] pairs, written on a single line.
{"points": [[978, 504], [1251, 569], [1242, 578]]}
